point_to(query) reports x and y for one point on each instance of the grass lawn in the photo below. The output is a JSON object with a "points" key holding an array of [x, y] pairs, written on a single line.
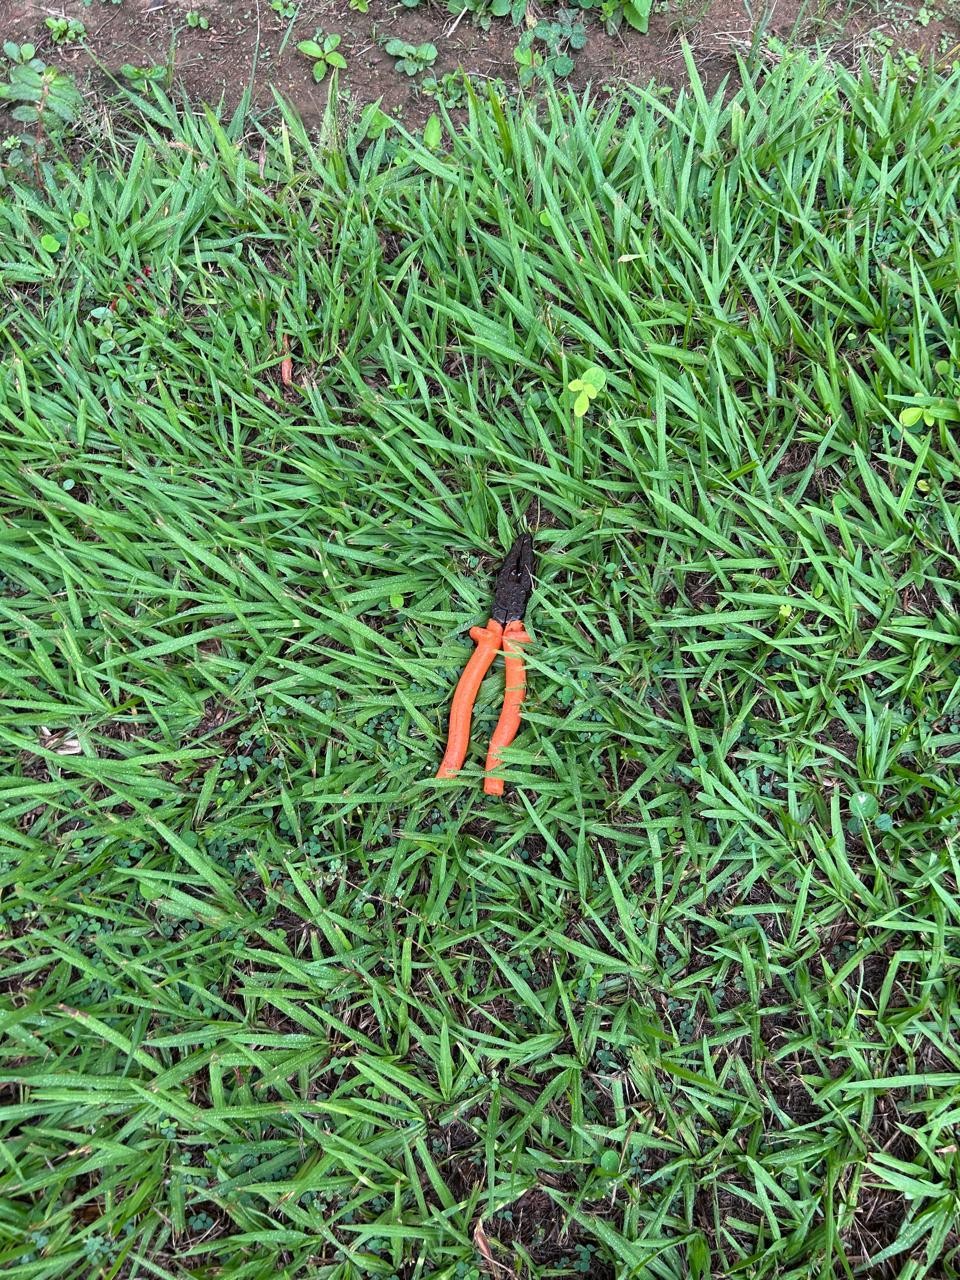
{"points": [[683, 1003]]}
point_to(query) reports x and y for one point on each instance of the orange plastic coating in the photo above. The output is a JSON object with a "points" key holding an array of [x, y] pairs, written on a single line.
{"points": [[515, 685], [488, 640]]}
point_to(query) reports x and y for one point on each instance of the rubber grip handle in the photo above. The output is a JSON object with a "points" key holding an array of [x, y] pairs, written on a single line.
{"points": [[515, 686], [488, 640]]}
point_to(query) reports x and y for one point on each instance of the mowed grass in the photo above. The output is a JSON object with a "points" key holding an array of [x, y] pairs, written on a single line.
{"points": [[683, 1004]]}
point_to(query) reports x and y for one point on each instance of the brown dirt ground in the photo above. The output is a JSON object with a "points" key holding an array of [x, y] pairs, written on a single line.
{"points": [[247, 41]]}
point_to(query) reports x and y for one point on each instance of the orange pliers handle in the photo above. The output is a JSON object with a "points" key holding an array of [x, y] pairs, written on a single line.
{"points": [[489, 640]]}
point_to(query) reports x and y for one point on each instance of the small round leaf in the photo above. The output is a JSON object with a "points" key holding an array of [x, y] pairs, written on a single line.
{"points": [[864, 806], [433, 133]]}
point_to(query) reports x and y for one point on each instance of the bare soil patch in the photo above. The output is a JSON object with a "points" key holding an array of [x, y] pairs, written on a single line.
{"points": [[246, 42]]}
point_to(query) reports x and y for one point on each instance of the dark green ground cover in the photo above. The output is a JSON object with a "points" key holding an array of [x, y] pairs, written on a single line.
{"points": [[683, 1004]]}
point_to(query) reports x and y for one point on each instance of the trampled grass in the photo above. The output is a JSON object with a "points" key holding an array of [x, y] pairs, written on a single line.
{"points": [[684, 1002]]}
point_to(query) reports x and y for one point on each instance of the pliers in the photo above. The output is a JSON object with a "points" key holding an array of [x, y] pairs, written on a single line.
{"points": [[504, 630]]}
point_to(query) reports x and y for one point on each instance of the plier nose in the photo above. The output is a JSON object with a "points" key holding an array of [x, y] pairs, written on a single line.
{"points": [[514, 582], [504, 630]]}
